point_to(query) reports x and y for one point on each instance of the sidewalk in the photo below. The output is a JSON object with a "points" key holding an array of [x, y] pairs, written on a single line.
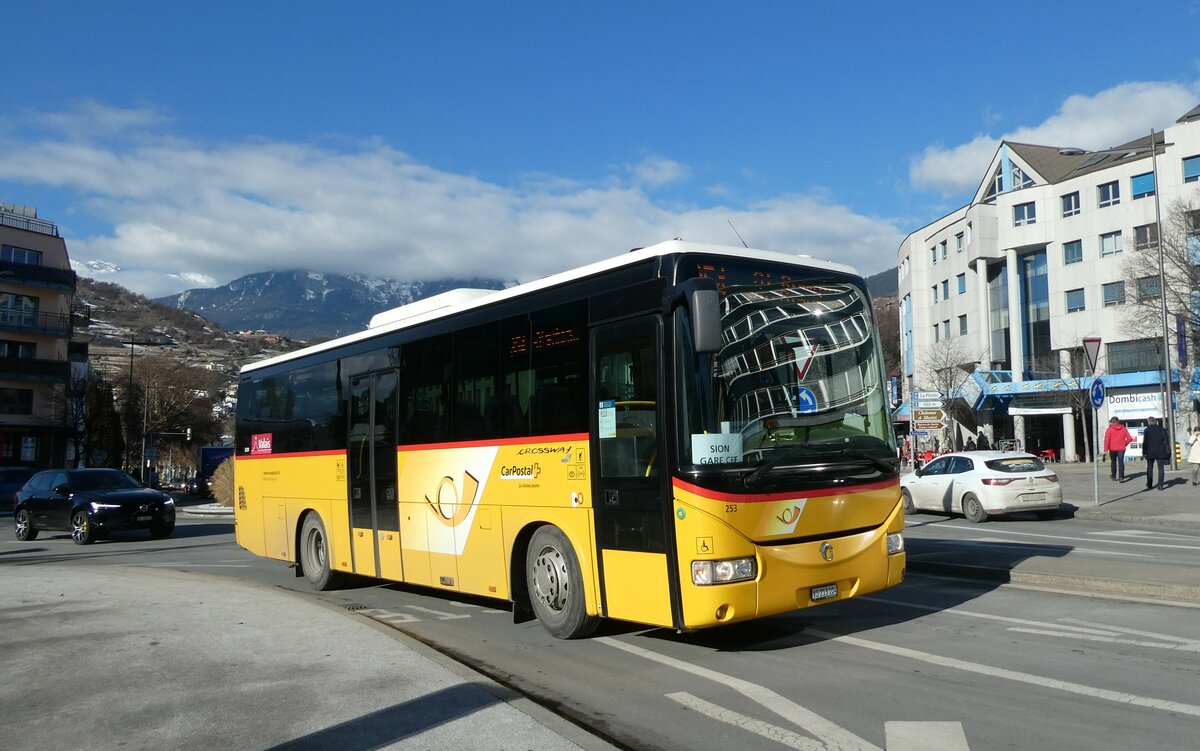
{"points": [[166, 659], [1053, 565]]}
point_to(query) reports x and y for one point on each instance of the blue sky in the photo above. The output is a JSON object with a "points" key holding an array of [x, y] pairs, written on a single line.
{"points": [[187, 144]]}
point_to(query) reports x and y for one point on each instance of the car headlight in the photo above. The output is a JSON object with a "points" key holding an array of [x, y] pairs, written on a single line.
{"points": [[103, 506], [895, 543], [167, 500], [723, 571]]}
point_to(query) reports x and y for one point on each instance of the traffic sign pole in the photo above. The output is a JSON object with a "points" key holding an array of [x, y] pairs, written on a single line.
{"points": [[1096, 394]]}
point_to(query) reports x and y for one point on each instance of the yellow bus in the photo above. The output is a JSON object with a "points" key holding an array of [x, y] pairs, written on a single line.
{"points": [[683, 436]]}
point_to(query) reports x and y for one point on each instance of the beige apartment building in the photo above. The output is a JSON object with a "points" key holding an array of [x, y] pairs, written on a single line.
{"points": [[39, 383]]}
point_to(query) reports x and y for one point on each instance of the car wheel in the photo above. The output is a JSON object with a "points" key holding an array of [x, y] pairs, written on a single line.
{"points": [[555, 585], [1047, 514], [973, 509], [314, 555], [162, 529], [23, 526], [909, 506], [82, 530]]}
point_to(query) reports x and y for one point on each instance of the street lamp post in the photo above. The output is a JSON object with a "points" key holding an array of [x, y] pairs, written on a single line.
{"points": [[1168, 400]]}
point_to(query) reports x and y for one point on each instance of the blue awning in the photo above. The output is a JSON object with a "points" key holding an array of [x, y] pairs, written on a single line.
{"points": [[902, 413]]}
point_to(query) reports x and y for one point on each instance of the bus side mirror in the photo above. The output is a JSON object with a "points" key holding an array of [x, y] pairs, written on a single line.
{"points": [[703, 301]]}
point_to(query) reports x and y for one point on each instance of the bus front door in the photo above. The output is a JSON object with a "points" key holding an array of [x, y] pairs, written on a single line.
{"points": [[630, 485], [371, 469]]}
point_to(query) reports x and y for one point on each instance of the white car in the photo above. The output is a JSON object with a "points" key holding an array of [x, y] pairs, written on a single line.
{"points": [[978, 484]]}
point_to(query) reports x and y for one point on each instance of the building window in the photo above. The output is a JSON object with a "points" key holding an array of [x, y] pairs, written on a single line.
{"points": [[1024, 213], [1114, 294], [958, 243], [937, 333], [943, 250], [1074, 300], [1108, 194], [1111, 243], [16, 401], [1145, 236], [20, 255], [970, 234], [18, 310], [933, 255], [946, 329], [962, 325], [1148, 287], [1191, 169], [935, 295], [962, 283], [1142, 185], [1131, 357], [1072, 252], [945, 289], [1070, 204], [17, 350]]}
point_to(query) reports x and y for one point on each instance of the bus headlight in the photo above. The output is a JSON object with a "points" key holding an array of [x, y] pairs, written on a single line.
{"points": [[724, 571], [895, 543]]}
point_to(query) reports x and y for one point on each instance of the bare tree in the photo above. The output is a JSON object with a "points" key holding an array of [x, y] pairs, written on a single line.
{"points": [[1180, 243], [887, 319], [946, 367]]}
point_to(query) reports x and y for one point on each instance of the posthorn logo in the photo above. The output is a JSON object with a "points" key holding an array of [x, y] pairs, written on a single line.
{"points": [[521, 472]]}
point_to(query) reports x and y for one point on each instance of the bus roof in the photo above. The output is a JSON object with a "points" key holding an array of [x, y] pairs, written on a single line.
{"points": [[459, 300]]}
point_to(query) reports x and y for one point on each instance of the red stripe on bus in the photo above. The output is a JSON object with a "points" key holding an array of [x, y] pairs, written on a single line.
{"points": [[531, 440], [768, 497]]}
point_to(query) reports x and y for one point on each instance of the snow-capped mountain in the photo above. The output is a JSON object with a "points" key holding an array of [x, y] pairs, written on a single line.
{"points": [[307, 305]]}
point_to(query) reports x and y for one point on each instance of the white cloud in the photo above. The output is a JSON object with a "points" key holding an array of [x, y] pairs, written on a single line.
{"points": [[181, 213], [1106, 119]]}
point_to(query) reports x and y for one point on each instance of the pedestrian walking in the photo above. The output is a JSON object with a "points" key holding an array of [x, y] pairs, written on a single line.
{"points": [[970, 444], [1116, 440], [983, 444], [1194, 455], [1156, 449]]}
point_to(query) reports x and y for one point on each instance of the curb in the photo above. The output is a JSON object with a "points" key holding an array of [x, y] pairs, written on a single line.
{"points": [[206, 509]]}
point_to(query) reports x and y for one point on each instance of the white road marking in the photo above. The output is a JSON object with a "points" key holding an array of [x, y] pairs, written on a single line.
{"points": [[739, 720], [1144, 533], [389, 617], [830, 734], [1073, 539], [1134, 631], [925, 736], [441, 616], [1027, 545], [1016, 675], [1096, 631], [480, 608], [1093, 637], [185, 564]]}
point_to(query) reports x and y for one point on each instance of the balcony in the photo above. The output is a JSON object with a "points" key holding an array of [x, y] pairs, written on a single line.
{"points": [[38, 276], [9, 219], [20, 369], [48, 324]]}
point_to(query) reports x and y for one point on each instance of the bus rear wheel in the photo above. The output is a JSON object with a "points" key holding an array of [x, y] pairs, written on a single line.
{"points": [[314, 555], [555, 585]]}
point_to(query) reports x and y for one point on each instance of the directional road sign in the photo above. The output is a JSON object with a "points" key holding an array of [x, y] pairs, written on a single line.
{"points": [[806, 400], [928, 414], [927, 425], [931, 395]]}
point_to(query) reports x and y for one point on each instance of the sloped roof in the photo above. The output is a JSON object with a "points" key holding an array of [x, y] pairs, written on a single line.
{"points": [[1191, 114], [1058, 164]]}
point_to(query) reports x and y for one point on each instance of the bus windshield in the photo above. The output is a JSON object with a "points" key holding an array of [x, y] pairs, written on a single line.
{"points": [[796, 395]]}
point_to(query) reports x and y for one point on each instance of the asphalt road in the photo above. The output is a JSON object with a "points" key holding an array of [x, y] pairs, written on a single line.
{"points": [[936, 663]]}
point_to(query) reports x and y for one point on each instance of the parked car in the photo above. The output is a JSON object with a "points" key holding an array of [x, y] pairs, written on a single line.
{"points": [[89, 503], [11, 480], [979, 484]]}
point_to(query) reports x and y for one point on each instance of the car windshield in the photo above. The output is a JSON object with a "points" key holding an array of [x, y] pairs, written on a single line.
{"points": [[798, 383], [102, 480]]}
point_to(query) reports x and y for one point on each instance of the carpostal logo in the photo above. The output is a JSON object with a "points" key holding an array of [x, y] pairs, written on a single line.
{"points": [[521, 472], [533, 450]]}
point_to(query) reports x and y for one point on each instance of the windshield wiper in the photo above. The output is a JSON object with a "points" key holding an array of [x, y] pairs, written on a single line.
{"points": [[802, 450]]}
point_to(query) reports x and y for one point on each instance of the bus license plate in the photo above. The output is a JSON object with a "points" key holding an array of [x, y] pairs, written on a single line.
{"points": [[824, 593]]}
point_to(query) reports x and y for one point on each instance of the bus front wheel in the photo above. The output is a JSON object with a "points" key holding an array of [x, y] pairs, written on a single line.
{"points": [[314, 555], [555, 585]]}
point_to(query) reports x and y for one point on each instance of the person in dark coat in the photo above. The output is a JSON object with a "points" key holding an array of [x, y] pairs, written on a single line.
{"points": [[1156, 448], [983, 444]]}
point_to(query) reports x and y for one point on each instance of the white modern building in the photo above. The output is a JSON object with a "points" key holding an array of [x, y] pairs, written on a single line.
{"points": [[998, 297]]}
